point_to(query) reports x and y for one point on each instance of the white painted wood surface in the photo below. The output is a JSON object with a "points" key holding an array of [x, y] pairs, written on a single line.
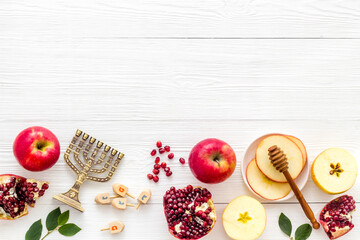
{"points": [[132, 72]]}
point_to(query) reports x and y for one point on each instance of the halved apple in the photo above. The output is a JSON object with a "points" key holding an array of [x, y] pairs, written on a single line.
{"points": [[301, 146], [334, 170], [290, 148], [244, 218], [263, 186]]}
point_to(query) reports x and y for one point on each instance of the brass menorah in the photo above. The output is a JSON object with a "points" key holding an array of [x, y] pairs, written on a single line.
{"points": [[84, 143]]}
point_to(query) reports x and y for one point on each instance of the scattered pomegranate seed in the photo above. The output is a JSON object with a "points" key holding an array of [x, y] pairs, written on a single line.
{"points": [[167, 148], [163, 164], [161, 150], [150, 176], [153, 152], [157, 160], [182, 160], [171, 156], [158, 144], [157, 166], [167, 169], [156, 171], [45, 186], [156, 178], [169, 173]]}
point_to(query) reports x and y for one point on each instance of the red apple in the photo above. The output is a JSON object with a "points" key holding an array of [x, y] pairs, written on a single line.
{"points": [[36, 148], [212, 160]]}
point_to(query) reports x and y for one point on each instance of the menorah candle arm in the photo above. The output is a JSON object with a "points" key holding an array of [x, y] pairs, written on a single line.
{"points": [[305, 206], [78, 160], [70, 164]]}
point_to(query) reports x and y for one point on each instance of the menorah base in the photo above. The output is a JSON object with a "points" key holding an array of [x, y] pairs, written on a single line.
{"points": [[67, 200]]}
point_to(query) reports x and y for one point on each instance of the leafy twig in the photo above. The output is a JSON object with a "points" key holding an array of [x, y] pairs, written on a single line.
{"points": [[302, 233], [55, 221]]}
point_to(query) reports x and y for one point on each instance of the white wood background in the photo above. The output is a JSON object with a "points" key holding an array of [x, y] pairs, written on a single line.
{"points": [[132, 72]]}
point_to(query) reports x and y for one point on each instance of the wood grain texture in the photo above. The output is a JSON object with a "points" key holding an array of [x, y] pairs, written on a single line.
{"points": [[63, 19], [133, 72], [162, 79]]}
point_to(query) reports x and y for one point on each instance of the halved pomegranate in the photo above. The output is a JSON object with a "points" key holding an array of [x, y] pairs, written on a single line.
{"points": [[16, 193], [190, 212], [336, 217]]}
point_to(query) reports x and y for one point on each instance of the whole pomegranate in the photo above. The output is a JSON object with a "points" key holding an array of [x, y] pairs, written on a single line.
{"points": [[336, 216], [16, 193], [190, 212]]}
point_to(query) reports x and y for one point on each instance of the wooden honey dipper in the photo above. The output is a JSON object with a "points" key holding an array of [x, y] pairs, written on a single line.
{"points": [[279, 160]]}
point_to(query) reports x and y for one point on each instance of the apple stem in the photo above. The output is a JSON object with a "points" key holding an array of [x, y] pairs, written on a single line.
{"points": [[40, 145], [217, 159]]}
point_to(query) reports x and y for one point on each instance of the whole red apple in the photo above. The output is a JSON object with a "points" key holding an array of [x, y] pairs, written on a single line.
{"points": [[36, 148], [212, 160]]}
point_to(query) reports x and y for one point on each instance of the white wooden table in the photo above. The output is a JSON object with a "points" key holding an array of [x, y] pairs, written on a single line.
{"points": [[133, 72]]}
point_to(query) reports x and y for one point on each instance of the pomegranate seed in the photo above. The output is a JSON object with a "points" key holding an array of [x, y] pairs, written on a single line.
{"points": [[153, 152], [157, 166], [156, 178], [156, 171], [182, 160], [45, 186], [167, 169], [176, 207], [150, 176], [169, 173], [171, 156], [336, 224], [158, 144], [167, 148], [161, 150], [163, 165], [157, 160]]}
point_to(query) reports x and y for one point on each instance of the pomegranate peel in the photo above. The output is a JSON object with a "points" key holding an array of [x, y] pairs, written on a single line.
{"points": [[16, 193], [189, 211], [336, 216]]}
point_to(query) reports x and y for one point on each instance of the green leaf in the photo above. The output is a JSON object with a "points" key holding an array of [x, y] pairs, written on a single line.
{"points": [[63, 218], [303, 232], [34, 232], [285, 224], [52, 219], [69, 229]]}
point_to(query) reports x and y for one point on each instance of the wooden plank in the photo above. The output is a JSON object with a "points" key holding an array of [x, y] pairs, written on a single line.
{"points": [[152, 223], [137, 138], [177, 80], [65, 20]]}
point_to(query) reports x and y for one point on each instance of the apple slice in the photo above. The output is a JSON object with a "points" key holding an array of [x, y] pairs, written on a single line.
{"points": [[301, 146], [334, 170], [244, 218], [293, 154], [263, 186]]}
